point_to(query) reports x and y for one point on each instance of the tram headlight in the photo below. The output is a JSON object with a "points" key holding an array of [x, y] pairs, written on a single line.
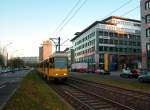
{"points": [[65, 74], [56, 74]]}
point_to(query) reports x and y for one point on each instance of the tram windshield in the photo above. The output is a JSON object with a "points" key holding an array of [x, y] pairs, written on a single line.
{"points": [[60, 62]]}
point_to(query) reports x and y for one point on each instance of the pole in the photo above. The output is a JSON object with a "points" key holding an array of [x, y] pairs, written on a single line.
{"points": [[12, 68], [58, 44], [108, 58], [6, 57]]}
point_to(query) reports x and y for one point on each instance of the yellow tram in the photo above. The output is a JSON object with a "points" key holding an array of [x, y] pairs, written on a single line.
{"points": [[55, 67]]}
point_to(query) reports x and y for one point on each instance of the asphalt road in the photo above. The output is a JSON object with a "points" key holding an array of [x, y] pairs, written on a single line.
{"points": [[8, 83]]}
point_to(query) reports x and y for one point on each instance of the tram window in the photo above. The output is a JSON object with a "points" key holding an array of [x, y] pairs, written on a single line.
{"points": [[50, 60], [60, 62], [47, 64], [51, 65]]}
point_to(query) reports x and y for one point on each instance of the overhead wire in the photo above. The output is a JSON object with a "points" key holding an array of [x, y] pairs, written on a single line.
{"points": [[130, 11], [120, 7], [67, 16], [123, 5], [76, 11], [65, 41]]}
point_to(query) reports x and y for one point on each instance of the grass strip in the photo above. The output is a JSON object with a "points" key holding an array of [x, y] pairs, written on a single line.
{"points": [[35, 94], [120, 83]]}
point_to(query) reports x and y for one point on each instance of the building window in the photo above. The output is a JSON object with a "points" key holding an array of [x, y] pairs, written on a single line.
{"points": [[111, 41], [120, 49], [138, 25], [147, 5], [125, 42], [100, 40], [130, 43], [147, 18], [148, 32], [120, 42], [148, 54], [115, 49], [116, 42], [125, 49], [101, 58], [100, 48], [105, 48], [111, 49], [134, 43], [105, 41], [100, 33], [138, 43], [111, 34], [88, 36], [115, 34], [105, 33]]}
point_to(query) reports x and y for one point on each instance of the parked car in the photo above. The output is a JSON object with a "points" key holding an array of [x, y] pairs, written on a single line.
{"points": [[144, 77], [98, 71], [101, 71], [91, 70], [135, 73], [126, 73]]}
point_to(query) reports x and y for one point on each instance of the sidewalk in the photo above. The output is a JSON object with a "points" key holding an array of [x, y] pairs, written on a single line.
{"points": [[116, 73]]}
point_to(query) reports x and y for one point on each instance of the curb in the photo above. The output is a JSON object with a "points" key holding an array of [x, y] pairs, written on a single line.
{"points": [[10, 96]]}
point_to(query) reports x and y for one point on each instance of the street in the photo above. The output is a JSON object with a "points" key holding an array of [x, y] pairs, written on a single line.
{"points": [[8, 83]]}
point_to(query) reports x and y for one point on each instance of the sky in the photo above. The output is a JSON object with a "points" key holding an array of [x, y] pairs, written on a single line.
{"points": [[27, 23]]}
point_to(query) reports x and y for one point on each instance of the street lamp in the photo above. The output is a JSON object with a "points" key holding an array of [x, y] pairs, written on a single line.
{"points": [[6, 46], [11, 64], [5, 60], [13, 53]]}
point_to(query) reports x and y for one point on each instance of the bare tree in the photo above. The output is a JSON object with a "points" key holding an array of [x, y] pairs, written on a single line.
{"points": [[16, 63], [1, 60]]}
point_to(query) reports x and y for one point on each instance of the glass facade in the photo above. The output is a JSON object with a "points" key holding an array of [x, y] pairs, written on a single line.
{"points": [[93, 44]]}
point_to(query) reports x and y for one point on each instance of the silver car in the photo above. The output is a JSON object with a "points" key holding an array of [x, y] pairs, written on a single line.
{"points": [[144, 77]]}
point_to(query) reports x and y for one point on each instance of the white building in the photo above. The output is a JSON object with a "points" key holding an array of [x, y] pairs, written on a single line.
{"points": [[109, 43], [30, 59], [70, 54]]}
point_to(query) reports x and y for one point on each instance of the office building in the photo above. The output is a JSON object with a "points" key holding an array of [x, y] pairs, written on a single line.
{"points": [[45, 50], [110, 44], [70, 53], [30, 60], [40, 53], [145, 33]]}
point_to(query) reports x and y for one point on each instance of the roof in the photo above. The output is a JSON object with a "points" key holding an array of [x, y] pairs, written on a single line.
{"points": [[102, 22], [89, 27], [66, 50], [121, 18], [59, 54], [56, 54]]}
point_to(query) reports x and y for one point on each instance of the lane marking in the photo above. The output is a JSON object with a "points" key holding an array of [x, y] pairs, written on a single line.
{"points": [[2, 86], [3, 83]]}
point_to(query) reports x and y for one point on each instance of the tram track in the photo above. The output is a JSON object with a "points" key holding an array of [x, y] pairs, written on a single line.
{"points": [[81, 99], [133, 99]]}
